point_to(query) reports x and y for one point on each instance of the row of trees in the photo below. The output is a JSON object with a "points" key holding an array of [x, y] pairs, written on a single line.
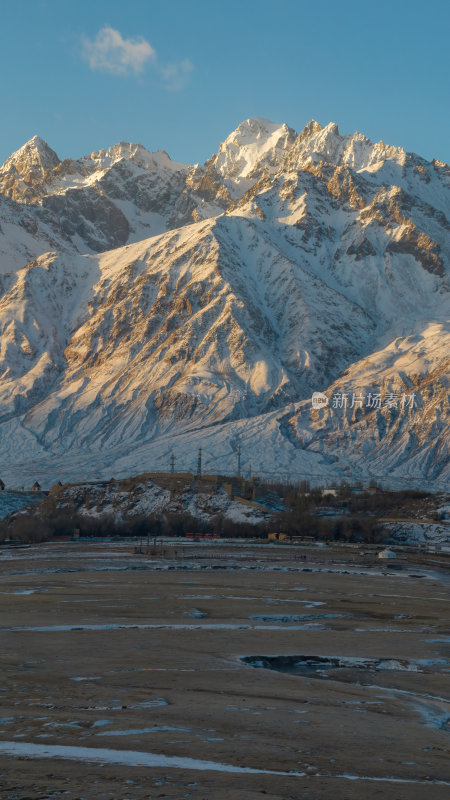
{"points": [[296, 522]]}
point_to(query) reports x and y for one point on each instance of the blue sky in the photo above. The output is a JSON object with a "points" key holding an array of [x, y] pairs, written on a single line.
{"points": [[180, 75]]}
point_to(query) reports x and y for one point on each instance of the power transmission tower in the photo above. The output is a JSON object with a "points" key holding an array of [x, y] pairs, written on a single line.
{"points": [[199, 462], [172, 463]]}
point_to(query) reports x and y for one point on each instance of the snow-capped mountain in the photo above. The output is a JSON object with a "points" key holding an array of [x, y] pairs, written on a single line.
{"points": [[287, 264]]}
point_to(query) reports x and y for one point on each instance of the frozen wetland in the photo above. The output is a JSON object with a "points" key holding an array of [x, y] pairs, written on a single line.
{"points": [[222, 670]]}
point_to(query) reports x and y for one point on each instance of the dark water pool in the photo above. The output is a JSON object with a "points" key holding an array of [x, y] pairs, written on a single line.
{"points": [[320, 666]]}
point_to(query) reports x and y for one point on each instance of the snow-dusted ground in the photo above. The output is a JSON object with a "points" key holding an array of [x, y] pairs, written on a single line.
{"points": [[426, 534], [148, 498], [152, 760]]}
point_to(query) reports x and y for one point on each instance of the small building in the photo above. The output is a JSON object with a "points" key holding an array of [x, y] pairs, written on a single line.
{"points": [[277, 537], [2, 486], [387, 553], [36, 487]]}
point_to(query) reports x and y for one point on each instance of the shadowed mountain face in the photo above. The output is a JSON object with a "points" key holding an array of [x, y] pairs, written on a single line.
{"points": [[287, 264]]}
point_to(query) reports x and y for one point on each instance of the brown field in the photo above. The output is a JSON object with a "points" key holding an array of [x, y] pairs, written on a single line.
{"points": [[159, 672]]}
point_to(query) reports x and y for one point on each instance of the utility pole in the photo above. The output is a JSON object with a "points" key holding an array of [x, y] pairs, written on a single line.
{"points": [[239, 460], [172, 463], [199, 462]]}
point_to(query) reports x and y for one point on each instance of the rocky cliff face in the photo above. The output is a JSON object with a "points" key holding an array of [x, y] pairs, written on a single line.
{"points": [[287, 264]]}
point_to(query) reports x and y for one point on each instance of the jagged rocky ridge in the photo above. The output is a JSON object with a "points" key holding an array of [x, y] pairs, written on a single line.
{"points": [[286, 264]]}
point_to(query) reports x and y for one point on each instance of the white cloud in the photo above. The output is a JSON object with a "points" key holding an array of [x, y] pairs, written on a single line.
{"points": [[176, 75], [110, 52]]}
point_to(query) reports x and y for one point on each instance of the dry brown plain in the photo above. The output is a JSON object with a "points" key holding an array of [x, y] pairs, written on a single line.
{"points": [[108, 657]]}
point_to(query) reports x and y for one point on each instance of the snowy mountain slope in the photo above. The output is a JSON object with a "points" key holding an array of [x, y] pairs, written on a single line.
{"points": [[308, 269], [195, 321], [395, 416], [23, 236], [170, 337]]}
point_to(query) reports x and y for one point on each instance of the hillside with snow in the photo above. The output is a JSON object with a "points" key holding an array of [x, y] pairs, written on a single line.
{"points": [[149, 308]]}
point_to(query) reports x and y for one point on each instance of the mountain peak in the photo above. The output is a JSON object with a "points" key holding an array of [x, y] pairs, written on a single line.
{"points": [[135, 153], [37, 141], [259, 125], [310, 129], [32, 160], [256, 129], [332, 128], [256, 142]]}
